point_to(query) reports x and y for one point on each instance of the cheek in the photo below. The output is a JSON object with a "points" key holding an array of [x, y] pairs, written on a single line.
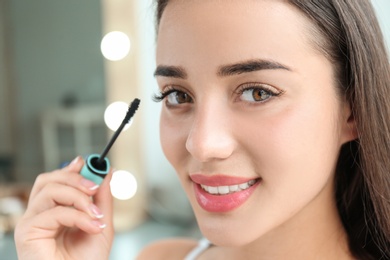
{"points": [[296, 144], [295, 152], [173, 137]]}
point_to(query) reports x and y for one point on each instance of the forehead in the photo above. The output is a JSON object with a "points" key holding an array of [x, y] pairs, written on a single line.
{"points": [[231, 29]]}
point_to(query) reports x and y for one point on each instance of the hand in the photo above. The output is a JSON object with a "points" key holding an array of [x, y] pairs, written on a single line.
{"points": [[62, 221]]}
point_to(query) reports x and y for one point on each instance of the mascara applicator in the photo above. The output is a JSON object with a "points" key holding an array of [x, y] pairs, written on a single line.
{"points": [[97, 166]]}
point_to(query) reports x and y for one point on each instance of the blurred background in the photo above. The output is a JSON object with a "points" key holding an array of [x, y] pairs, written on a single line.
{"points": [[55, 84]]}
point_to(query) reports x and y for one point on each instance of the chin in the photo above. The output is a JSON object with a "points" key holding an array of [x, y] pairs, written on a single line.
{"points": [[222, 231]]}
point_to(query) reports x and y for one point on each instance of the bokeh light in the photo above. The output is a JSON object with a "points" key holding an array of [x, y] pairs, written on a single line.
{"points": [[115, 45], [123, 185], [114, 115]]}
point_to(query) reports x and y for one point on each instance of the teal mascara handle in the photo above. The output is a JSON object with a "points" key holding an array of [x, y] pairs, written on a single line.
{"points": [[97, 166], [95, 171]]}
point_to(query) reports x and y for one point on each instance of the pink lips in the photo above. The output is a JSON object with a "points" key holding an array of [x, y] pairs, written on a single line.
{"points": [[221, 203]]}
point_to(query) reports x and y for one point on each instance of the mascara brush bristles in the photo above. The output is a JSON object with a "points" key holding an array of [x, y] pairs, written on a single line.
{"points": [[132, 108], [130, 113]]}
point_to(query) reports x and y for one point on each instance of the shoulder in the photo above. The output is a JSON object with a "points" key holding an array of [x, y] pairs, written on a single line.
{"points": [[168, 249]]}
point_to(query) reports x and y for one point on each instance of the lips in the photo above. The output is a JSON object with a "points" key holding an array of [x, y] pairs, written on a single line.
{"points": [[221, 193], [227, 189]]}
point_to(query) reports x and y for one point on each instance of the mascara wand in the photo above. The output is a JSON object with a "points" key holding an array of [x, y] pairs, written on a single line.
{"points": [[97, 166], [130, 113]]}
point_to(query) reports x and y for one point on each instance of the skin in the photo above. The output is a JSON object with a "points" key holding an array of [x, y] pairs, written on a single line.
{"points": [[61, 220], [289, 140]]}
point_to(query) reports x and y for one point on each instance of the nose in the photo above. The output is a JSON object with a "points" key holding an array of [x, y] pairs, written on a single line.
{"points": [[211, 136]]}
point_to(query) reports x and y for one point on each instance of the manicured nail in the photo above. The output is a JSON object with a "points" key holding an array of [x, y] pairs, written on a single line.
{"points": [[98, 224], [75, 160], [95, 211], [89, 184]]}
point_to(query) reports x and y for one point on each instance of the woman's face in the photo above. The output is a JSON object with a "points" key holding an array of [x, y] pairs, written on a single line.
{"points": [[251, 120]]}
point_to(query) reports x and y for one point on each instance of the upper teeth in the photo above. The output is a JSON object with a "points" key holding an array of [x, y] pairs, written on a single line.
{"points": [[228, 189]]}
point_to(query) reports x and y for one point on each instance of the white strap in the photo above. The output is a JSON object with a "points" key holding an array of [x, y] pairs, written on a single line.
{"points": [[203, 244]]}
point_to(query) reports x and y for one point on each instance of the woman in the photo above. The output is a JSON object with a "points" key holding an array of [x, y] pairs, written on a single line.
{"points": [[275, 117]]}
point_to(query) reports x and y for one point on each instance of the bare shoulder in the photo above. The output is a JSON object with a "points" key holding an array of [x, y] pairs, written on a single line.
{"points": [[168, 249]]}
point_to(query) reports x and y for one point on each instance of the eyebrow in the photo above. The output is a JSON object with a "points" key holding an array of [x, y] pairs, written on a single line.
{"points": [[225, 70], [170, 71], [250, 66]]}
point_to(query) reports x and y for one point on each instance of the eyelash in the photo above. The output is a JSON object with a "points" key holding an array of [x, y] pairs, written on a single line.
{"points": [[163, 94], [256, 86], [245, 87]]}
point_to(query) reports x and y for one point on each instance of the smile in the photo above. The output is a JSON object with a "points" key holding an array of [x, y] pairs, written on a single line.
{"points": [[222, 193], [223, 190]]}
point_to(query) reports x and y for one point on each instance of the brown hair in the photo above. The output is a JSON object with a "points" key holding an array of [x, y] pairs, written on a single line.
{"points": [[350, 37]]}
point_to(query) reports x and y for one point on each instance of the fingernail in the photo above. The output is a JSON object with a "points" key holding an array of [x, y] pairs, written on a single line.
{"points": [[95, 211], [75, 160], [89, 184], [98, 224]]}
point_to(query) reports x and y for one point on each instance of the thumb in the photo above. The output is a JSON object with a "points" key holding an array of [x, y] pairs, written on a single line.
{"points": [[104, 200]]}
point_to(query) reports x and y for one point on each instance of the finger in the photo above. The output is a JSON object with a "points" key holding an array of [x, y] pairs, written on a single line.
{"points": [[104, 201], [43, 178], [68, 176], [76, 165], [55, 194], [49, 222]]}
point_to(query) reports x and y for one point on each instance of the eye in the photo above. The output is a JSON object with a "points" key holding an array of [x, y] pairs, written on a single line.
{"points": [[257, 93], [178, 97], [173, 97]]}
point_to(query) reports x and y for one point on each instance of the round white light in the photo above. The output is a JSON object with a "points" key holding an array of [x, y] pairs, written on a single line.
{"points": [[114, 115], [115, 45], [123, 185]]}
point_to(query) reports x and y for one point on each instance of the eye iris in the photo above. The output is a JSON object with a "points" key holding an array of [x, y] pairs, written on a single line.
{"points": [[182, 97], [260, 94]]}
